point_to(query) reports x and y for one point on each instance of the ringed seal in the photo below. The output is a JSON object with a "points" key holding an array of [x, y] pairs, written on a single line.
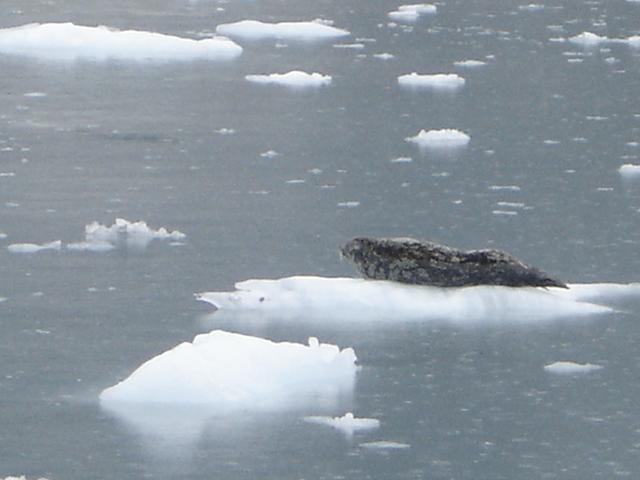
{"points": [[407, 260]]}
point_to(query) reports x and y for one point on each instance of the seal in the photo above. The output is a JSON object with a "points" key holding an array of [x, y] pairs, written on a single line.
{"points": [[407, 260]]}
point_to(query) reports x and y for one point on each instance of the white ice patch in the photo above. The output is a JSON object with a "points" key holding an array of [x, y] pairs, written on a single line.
{"points": [[630, 171], [384, 56], [411, 13], [440, 81], [305, 31], [589, 40], [445, 138], [469, 63], [293, 79], [122, 234], [225, 370], [66, 41], [571, 367], [348, 424], [357, 300], [385, 445], [34, 247], [3, 235]]}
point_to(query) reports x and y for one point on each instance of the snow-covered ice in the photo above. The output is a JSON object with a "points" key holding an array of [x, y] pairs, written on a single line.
{"points": [[228, 371], [385, 445], [66, 41], [445, 138], [439, 81], [358, 300], [293, 79], [590, 39], [384, 56], [305, 31], [347, 424], [565, 367], [629, 170], [411, 13], [34, 247], [469, 63], [122, 234]]}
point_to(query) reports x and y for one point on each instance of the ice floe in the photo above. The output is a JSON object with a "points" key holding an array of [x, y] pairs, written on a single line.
{"points": [[305, 31], [590, 39], [629, 170], [354, 300], [293, 79], [469, 63], [347, 424], [384, 56], [66, 41], [385, 445], [34, 247], [445, 138], [439, 81], [571, 367], [229, 371], [411, 13], [122, 234]]}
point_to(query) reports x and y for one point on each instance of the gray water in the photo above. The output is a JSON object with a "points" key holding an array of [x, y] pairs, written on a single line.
{"points": [[140, 141]]}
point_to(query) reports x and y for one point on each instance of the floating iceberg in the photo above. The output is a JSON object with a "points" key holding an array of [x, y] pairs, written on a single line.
{"points": [[133, 235], [630, 171], [445, 138], [348, 424], [571, 367], [440, 81], [353, 300], [34, 247], [411, 13], [305, 31], [227, 371], [293, 79], [66, 41]]}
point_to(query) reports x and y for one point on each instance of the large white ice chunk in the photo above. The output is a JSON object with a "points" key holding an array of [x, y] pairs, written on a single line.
{"points": [[411, 13], [588, 39], [34, 247], [439, 81], [66, 41], [445, 138], [355, 300], [347, 424], [305, 31], [122, 234], [571, 367], [629, 170], [226, 370], [293, 79]]}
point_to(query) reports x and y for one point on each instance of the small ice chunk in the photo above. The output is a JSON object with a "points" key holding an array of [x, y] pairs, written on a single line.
{"points": [[123, 233], [295, 79], [445, 138], [34, 247], [439, 81], [350, 204], [588, 39], [355, 46], [384, 56], [348, 424], [269, 154], [223, 370], [532, 7], [305, 31], [469, 63], [629, 170], [401, 160], [225, 131], [3, 235], [66, 41], [385, 445], [34, 94], [511, 188], [571, 367], [411, 13], [504, 212], [91, 246]]}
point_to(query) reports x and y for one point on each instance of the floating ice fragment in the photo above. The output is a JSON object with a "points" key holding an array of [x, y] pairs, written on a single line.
{"points": [[571, 367], [511, 188], [385, 445], [508, 213], [34, 247], [445, 138], [469, 63], [384, 56], [225, 131], [225, 370], [401, 160], [355, 46], [532, 7], [269, 154], [3, 235], [295, 79], [350, 204], [411, 13], [440, 81], [588, 39], [35, 94], [348, 424], [629, 171], [354, 300], [66, 41], [306, 31]]}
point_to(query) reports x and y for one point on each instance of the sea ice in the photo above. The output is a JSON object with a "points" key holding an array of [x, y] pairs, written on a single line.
{"points": [[123, 233], [385, 445], [224, 370], [384, 56], [358, 300], [469, 63], [66, 41], [630, 171], [305, 31], [348, 424], [440, 81], [571, 367], [294, 79], [34, 247], [588, 39], [446, 138], [411, 13]]}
